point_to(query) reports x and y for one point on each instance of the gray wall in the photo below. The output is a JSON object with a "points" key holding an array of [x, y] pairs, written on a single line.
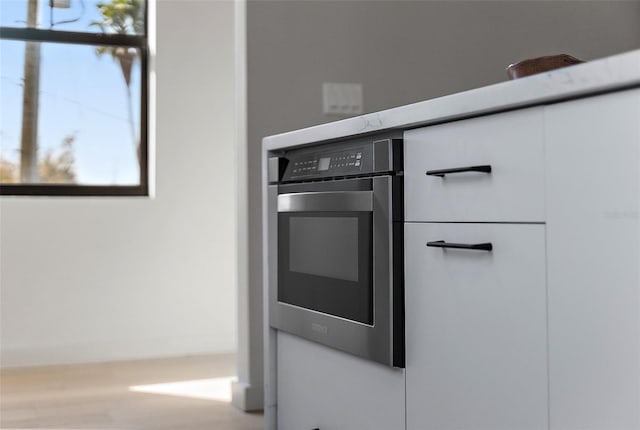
{"points": [[401, 52]]}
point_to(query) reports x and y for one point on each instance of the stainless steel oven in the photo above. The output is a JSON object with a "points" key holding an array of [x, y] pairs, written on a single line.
{"points": [[337, 214]]}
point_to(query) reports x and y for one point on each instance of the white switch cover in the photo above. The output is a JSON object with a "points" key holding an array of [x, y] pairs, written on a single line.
{"points": [[342, 99]]}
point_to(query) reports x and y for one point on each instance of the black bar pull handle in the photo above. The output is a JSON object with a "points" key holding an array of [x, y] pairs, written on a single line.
{"points": [[475, 246], [485, 168]]}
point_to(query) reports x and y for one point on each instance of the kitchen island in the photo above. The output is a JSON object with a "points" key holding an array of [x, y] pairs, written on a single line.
{"points": [[537, 328]]}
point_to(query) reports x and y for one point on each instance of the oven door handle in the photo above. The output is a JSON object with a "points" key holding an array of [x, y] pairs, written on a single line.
{"points": [[334, 201]]}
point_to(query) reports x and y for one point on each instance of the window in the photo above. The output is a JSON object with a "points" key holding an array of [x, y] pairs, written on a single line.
{"points": [[73, 97]]}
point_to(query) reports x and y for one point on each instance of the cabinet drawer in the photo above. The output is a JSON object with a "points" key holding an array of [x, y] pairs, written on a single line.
{"points": [[476, 328], [319, 387], [511, 143]]}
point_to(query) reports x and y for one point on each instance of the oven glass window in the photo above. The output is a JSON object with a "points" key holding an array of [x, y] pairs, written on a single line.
{"points": [[324, 246], [325, 263]]}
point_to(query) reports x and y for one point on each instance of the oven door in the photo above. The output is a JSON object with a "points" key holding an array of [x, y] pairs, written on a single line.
{"points": [[335, 266], [325, 249]]}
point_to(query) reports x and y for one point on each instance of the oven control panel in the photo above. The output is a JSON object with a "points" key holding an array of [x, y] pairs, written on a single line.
{"points": [[356, 157], [306, 166], [339, 163]]}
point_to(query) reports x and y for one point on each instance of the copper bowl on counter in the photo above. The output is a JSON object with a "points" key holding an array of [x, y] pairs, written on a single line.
{"points": [[533, 66]]}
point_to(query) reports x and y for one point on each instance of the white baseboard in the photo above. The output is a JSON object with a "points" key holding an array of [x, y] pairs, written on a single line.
{"points": [[103, 351], [247, 397]]}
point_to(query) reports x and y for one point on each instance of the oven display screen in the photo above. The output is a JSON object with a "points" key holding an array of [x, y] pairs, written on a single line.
{"points": [[323, 164]]}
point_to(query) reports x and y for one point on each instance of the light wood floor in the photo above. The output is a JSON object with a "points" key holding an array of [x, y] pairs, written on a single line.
{"points": [[97, 396]]}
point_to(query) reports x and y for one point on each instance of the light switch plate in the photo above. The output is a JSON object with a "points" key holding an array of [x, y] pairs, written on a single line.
{"points": [[341, 99]]}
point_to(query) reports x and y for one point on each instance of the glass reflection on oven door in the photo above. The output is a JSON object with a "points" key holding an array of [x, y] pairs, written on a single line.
{"points": [[325, 263]]}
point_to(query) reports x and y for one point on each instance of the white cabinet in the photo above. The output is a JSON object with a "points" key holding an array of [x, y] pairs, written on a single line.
{"points": [[476, 328], [476, 320], [510, 144], [541, 332], [325, 389], [593, 257]]}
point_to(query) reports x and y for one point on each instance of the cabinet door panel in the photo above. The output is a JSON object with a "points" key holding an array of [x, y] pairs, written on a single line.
{"points": [[322, 388], [511, 143], [593, 190], [476, 328]]}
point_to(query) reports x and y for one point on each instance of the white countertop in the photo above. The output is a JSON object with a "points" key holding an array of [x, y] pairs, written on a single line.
{"points": [[598, 76]]}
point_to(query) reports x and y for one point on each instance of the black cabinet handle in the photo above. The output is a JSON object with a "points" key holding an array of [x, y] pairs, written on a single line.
{"points": [[485, 168], [475, 246]]}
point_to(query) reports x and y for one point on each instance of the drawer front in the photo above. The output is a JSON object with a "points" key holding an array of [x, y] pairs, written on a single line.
{"points": [[476, 328], [322, 388], [511, 143]]}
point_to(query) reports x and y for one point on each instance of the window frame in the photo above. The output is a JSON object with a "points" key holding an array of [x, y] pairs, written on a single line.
{"points": [[139, 41]]}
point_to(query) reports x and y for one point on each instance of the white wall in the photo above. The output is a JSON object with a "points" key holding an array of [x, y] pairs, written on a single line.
{"points": [[95, 279], [402, 52]]}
